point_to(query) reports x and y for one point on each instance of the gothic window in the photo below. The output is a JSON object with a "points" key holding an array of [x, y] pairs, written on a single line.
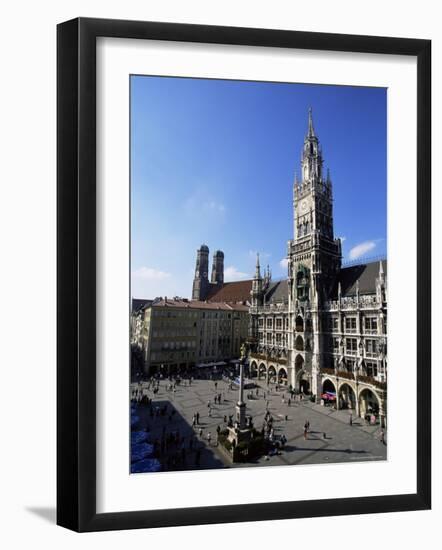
{"points": [[371, 348], [371, 369], [350, 324], [299, 324], [269, 322], [261, 322], [278, 323], [371, 325], [350, 346]]}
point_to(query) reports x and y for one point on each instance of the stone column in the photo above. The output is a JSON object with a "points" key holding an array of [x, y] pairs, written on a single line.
{"points": [[241, 406], [357, 406]]}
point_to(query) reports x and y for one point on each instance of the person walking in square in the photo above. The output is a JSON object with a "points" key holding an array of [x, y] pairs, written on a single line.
{"points": [[351, 420]]}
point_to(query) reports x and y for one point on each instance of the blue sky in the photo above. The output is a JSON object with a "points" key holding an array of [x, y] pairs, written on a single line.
{"points": [[213, 161]]}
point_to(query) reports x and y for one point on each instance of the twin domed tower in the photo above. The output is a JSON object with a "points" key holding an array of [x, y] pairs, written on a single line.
{"points": [[201, 284]]}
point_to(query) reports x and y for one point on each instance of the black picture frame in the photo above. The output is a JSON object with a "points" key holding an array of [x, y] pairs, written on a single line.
{"points": [[76, 274]]}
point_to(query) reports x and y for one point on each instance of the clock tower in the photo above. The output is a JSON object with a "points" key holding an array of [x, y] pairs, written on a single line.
{"points": [[314, 260], [313, 247]]}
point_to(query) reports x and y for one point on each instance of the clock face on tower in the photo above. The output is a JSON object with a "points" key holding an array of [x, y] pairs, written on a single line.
{"points": [[304, 206]]}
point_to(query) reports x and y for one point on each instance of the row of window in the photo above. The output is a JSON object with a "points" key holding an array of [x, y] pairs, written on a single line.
{"points": [[271, 338], [279, 323], [370, 324], [351, 346], [174, 345], [172, 333]]}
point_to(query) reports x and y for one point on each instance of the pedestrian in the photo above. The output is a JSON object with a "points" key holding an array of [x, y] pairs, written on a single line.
{"points": [[324, 436], [351, 420], [305, 433], [197, 418], [210, 412], [209, 438], [201, 432], [225, 419], [308, 425], [382, 437]]}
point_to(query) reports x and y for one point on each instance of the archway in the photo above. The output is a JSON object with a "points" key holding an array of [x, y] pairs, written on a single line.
{"points": [[368, 403], [254, 369], [347, 397], [282, 376], [299, 343], [328, 386], [304, 382], [299, 324], [299, 364], [262, 371], [271, 373]]}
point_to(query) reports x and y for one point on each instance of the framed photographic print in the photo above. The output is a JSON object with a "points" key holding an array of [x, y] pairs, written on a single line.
{"points": [[243, 274]]}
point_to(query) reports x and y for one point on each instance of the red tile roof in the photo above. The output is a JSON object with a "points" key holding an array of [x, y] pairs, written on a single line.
{"points": [[233, 293], [196, 304]]}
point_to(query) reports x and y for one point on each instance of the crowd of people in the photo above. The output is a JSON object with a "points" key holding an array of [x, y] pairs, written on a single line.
{"points": [[180, 444]]}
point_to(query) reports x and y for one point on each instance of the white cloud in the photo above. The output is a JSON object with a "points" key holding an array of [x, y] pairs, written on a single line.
{"points": [[196, 203], [150, 274], [262, 255], [232, 274], [361, 249], [284, 263], [214, 206]]}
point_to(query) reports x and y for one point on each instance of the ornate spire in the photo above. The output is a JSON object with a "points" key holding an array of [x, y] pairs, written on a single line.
{"points": [[311, 130], [258, 268]]}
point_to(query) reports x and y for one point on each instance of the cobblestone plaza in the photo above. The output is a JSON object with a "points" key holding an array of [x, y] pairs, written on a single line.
{"points": [[333, 435]]}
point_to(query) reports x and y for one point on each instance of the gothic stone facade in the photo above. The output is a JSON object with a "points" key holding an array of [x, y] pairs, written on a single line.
{"points": [[324, 328]]}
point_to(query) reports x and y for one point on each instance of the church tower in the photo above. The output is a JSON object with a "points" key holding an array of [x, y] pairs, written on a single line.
{"points": [[218, 268], [201, 283], [314, 259]]}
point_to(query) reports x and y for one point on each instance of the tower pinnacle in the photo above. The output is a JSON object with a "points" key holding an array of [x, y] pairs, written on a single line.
{"points": [[258, 268], [311, 130]]}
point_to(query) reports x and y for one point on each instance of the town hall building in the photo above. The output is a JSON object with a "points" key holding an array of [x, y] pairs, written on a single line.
{"points": [[323, 330]]}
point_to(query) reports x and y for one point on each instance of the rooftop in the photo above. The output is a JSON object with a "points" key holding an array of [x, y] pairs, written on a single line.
{"points": [[197, 304], [237, 292]]}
